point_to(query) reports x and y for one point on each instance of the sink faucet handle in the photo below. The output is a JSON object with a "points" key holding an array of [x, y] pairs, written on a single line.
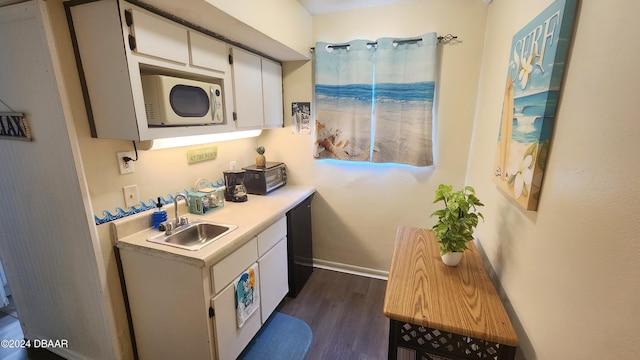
{"points": [[183, 220], [167, 226]]}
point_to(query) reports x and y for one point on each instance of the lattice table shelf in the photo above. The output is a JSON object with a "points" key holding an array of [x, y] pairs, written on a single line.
{"points": [[433, 344]]}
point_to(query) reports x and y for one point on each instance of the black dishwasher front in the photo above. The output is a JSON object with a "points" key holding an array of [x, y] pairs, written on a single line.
{"points": [[299, 246]]}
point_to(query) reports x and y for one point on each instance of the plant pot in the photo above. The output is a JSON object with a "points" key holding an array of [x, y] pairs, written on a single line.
{"points": [[261, 160], [451, 258]]}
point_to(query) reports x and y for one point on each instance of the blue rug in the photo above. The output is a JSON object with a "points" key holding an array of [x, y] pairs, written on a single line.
{"points": [[282, 337]]}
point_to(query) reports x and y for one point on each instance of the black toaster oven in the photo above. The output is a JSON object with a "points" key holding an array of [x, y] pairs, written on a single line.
{"points": [[262, 180]]}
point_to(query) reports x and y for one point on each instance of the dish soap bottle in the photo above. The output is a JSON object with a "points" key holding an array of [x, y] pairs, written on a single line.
{"points": [[160, 215]]}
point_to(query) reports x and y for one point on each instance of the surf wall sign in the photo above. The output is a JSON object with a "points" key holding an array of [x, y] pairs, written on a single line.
{"points": [[14, 126], [536, 65]]}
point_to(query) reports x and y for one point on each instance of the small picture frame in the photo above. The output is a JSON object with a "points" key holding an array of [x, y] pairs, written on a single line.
{"points": [[301, 116]]}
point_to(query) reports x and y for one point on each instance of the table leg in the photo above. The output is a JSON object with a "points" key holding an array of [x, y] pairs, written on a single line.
{"points": [[393, 339]]}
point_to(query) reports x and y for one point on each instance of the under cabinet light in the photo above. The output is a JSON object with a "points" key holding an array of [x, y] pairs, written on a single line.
{"points": [[197, 139]]}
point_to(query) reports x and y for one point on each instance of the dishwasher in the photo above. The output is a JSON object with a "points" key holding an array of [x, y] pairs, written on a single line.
{"points": [[299, 246]]}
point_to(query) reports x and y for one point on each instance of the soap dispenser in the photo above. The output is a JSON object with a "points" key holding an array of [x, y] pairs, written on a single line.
{"points": [[160, 215]]}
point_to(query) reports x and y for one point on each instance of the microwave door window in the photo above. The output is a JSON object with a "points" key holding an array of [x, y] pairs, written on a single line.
{"points": [[189, 101]]}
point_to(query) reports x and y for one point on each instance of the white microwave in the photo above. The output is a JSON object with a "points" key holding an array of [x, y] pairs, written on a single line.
{"points": [[172, 101]]}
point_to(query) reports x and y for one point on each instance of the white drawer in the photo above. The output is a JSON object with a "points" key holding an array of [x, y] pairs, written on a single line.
{"points": [[233, 265], [269, 237]]}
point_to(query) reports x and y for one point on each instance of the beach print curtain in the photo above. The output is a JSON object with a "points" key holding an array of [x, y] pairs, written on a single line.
{"points": [[394, 102], [344, 87], [403, 101]]}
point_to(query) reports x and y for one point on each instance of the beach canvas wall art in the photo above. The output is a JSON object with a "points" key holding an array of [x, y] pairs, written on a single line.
{"points": [[537, 62]]}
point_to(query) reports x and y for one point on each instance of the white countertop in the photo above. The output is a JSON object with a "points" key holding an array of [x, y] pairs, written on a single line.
{"points": [[251, 217]]}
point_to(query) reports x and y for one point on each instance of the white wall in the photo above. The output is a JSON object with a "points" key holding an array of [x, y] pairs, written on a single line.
{"points": [[359, 207], [569, 269], [47, 238]]}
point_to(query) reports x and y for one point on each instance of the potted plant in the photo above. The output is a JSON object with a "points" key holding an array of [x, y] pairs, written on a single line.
{"points": [[261, 160], [456, 221]]}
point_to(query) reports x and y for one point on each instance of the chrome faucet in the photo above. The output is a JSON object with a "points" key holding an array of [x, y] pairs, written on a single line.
{"points": [[180, 220], [169, 226]]}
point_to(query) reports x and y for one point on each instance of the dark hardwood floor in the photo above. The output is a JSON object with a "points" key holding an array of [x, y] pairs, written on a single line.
{"points": [[10, 330], [345, 314]]}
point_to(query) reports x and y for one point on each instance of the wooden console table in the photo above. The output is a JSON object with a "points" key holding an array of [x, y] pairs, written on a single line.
{"points": [[443, 312]]}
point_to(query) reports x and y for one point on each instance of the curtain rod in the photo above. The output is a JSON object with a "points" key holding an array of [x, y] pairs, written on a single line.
{"points": [[441, 39]]}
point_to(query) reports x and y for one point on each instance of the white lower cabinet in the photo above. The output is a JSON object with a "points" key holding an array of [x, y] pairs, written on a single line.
{"points": [[274, 284], [181, 309], [230, 339]]}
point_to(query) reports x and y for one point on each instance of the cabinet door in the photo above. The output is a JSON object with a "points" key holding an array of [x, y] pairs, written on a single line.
{"points": [[208, 52], [231, 340], [247, 85], [272, 94], [274, 282], [158, 37]]}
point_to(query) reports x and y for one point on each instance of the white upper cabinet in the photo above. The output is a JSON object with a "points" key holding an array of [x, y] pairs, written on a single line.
{"points": [[258, 91], [118, 42], [247, 86], [156, 36], [208, 53], [272, 94]]}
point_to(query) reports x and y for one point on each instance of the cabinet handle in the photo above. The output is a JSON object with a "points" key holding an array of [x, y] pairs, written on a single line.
{"points": [[214, 100], [128, 17], [132, 42]]}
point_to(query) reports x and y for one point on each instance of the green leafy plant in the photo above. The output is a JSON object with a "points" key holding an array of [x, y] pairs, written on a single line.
{"points": [[260, 150], [458, 219]]}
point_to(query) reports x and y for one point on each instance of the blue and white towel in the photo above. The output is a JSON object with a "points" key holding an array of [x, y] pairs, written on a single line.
{"points": [[247, 299]]}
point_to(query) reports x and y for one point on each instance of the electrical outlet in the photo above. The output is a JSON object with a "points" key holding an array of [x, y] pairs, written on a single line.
{"points": [[126, 167], [232, 165], [130, 195]]}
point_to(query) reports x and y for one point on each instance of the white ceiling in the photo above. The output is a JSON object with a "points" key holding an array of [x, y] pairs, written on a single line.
{"points": [[327, 6]]}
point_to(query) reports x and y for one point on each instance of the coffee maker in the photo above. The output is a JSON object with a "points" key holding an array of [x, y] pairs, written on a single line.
{"points": [[235, 190]]}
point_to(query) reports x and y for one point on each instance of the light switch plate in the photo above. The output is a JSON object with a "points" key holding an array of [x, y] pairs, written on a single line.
{"points": [[130, 195]]}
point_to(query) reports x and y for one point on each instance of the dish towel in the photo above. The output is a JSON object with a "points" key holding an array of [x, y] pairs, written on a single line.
{"points": [[247, 294]]}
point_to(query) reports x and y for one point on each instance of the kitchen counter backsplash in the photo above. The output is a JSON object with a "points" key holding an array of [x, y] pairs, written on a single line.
{"points": [[142, 206]]}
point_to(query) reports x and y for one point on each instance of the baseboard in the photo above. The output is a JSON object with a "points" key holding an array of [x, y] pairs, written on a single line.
{"points": [[351, 269]]}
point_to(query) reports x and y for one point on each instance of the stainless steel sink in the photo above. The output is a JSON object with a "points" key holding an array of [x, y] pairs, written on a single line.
{"points": [[194, 235]]}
